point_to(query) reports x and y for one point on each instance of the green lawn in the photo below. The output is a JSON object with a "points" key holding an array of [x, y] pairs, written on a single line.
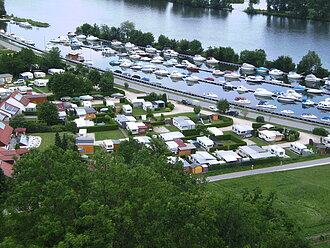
{"points": [[304, 194], [47, 139], [172, 128], [113, 134], [258, 141], [42, 89]]}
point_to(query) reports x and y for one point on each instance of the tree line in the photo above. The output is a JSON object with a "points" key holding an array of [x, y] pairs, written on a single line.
{"points": [[2, 8], [310, 63], [131, 198]]}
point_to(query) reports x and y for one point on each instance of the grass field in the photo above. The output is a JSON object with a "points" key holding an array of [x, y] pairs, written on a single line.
{"points": [[47, 139], [304, 194], [258, 141], [113, 134]]}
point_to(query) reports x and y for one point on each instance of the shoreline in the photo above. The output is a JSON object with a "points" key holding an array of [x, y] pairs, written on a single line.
{"points": [[30, 21]]}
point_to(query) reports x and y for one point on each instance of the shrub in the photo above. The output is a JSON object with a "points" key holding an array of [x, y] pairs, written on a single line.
{"points": [[170, 105], [260, 119], [320, 131], [256, 125]]}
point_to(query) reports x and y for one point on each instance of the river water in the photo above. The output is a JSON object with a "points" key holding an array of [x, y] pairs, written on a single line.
{"points": [[278, 36]]}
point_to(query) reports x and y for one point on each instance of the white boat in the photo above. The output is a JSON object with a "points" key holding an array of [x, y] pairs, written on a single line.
{"points": [[71, 34], [146, 59], [57, 40], [199, 58], [149, 68], [294, 75], [276, 73], [315, 91], [247, 67], [171, 53], [286, 99], [135, 57], [156, 61], [307, 102], [122, 54], [309, 116], [162, 73], [287, 111], [150, 49], [212, 61], [254, 79], [211, 95], [126, 64], [92, 38], [176, 75], [116, 43], [136, 67], [227, 86], [30, 42], [232, 75], [192, 79], [265, 104], [81, 37], [242, 89], [262, 70], [88, 62], [324, 105], [263, 92], [187, 63], [180, 66], [241, 100], [25, 25], [168, 63], [129, 46], [108, 50], [312, 78], [218, 73], [293, 94]]}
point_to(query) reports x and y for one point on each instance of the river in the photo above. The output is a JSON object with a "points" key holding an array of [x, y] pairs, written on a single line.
{"points": [[278, 36]]}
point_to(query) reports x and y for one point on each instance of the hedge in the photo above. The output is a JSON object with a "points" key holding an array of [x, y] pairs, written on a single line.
{"points": [[101, 128], [256, 125], [227, 121], [157, 123], [30, 113]]}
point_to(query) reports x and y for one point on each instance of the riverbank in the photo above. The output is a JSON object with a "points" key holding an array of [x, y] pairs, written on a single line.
{"points": [[282, 14], [32, 22]]}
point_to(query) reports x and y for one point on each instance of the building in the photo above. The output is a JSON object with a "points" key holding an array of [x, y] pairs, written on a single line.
{"points": [[172, 146], [85, 112], [278, 151], [147, 105], [39, 74], [137, 102], [254, 152], [300, 149], [5, 134], [171, 136], [159, 104], [215, 131], [270, 136], [109, 103], [53, 71], [6, 78], [123, 119], [41, 82], [136, 128], [31, 107], [228, 156], [14, 104], [243, 131], [202, 157], [82, 122], [112, 145], [127, 109], [184, 149], [26, 75], [326, 141], [182, 123], [7, 159], [145, 140], [205, 142], [85, 144]]}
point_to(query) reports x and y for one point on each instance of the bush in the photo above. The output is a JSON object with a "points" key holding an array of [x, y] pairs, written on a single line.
{"points": [[30, 113], [257, 125], [260, 119], [170, 105], [320, 131]]}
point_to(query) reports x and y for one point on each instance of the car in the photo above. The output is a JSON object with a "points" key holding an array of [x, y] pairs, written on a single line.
{"points": [[145, 79], [187, 102], [209, 79], [19, 81], [127, 74], [136, 76], [118, 71], [232, 113], [213, 108]]}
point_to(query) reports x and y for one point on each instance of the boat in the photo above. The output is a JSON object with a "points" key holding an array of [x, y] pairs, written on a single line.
{"points": [[218, 73], [57, 40], [176, 75], [312, 78], [262, 70], [81, 37], [88, 62], [122, 54], [156, 61], [135, 57], [325, 118], [114, 62], [293, 94], [136, 67], [287, 111], [242, 89], [108, 51], [227, 86], [192, 79], [300, 88], [254, 79], [327, 82], [263, 92], [170, 53], [315, 91], [91, 38], [276, 73], [25, 25], [209, 79], [74, 56], [145, 59], [212, 61], [75, 44], [169, 63], [265, 104], [241, 100], [180, 66], [247, 67], [308, 116], [211, 95], [286, 99], [97, 47], [129, 46], [198, 58], [308, 103], [232, 75], [30, 42], [116, 43], [150, 49], [71, 34], [193, 69], [162, 73], [149, 68], [324, 105], [126, 64], [294, 75]]}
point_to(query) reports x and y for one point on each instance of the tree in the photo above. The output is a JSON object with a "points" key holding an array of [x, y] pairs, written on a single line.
{"points": [[309, 63], [29, 59], [94, 76], [195, 47], [256, 57], [284, 63], [65, 144], [126, 85], [3, 186], [52, 59], [126, 27], [58, 141], [197, 109], [320, 131], [158, 147], [48, 113], [106, 82], [223, 106], [260, 119], [2, 8], [18, 121]]}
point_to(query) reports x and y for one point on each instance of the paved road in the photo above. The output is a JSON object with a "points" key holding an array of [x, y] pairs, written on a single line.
{"points": [[286, 167], [10, 46]]}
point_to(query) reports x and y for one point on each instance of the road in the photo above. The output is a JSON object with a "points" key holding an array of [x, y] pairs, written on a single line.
{"points": [[286, 167], [10, 46]]}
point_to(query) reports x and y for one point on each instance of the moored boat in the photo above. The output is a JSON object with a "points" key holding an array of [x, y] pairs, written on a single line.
{"points": [[199, 58], [241, 100], [212, 61], [263, 92], [242, 89], [287, 111], [218, 73], [265, 104], [309, 116]]}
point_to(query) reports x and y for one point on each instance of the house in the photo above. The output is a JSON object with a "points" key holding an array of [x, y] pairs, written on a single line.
{"points": [[53, 71], [270, 136], [143, 140], [26, 75], [18, 100], [127, 109], [31, 107], [159, 104], [6, 78], [254, 152], [215, 131], [39, 74], [25, 89], [197, 168], [171, 136], [137, 102], [85, 144], [205, 142], [8, 110], [147, 105], [300, 149], [37, 98], [5, 133], [7, 159], [109, 103], [228, 156], [87, 104], [86, 98], [112, 145], [4, 93], [123, 119], [172, 146], [277, 150], [183, 123], [136, 128], [85, 112], [82, 122], [41, 82], [202, 157], [244, 131], [184, 149]]}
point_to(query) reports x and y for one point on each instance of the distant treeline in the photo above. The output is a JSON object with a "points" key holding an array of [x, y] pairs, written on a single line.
{"points": [[311, 63], [306, 9], [214, 4], [2, 8]]}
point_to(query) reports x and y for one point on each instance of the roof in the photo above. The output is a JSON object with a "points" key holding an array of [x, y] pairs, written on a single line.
{"points": [[276, 148], [228, 156], [85, 140], [268, 126], [19, 97], [299, 145], [205, 140], [8, 108], [5, 75], [127, 106], [143, 139], [204, 158], [243, 128], [136, 100], [183, 122], [215, 131], [7, 168], [81, 122], [90, 110], [124, 118], [269, 133], [172, 145], [135, 125], [20, 129], [5, 132], [80, 111], [159, 102], [171, 136]]}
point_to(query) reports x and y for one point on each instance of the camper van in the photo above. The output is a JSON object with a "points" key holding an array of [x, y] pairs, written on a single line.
{"points": [[300, 149], [108, 145]]}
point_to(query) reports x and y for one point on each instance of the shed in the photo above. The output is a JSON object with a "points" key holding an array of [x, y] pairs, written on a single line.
{"points": [[228, 156], [26, 75], [244, 131], [85, 144], [215, 131]]}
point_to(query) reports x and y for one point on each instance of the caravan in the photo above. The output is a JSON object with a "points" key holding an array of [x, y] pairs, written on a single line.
{"points": [[300, 149]]}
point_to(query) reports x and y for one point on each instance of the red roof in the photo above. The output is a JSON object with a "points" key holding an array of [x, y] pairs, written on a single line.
{"points": [[180, 143], [20, 129], [7, 168], [34, 96], [22, 151], [23, 100], [5, 133]]}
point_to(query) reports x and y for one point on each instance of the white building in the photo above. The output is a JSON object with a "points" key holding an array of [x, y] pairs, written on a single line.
{"points": [[41, 82], [39, 74], [205, 142], [147, 105], [277, 150], [171, 136], [127, 109], [270, 136], [244, 131], [135, 127], [201, 157], [215, 131], [182, 123], [26, 75], [53, 71], [172, 146], [109, 103], [137, 102], [228, 156], [300, 149], [123, 119]]}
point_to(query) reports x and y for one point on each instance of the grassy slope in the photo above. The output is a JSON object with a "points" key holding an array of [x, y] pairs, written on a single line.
{"points": [[304, 194], [113, 134], [47, 139]]}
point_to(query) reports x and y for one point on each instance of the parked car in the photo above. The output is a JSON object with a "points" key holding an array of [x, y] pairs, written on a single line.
{"points": [[145, 79], [118, 71], [213, 108], [209, 79], [187, 102], [136, 76], [127, 74], [232, 112], [19, 81]]}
